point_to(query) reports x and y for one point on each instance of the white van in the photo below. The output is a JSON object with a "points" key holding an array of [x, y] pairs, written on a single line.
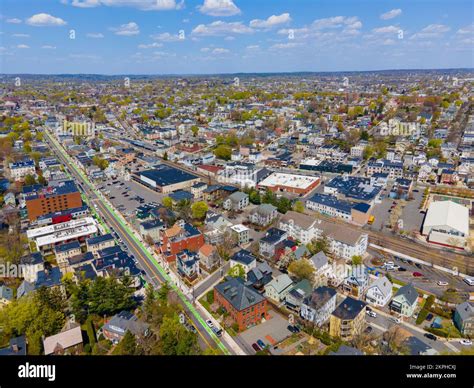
{"points": [[469, 281]]}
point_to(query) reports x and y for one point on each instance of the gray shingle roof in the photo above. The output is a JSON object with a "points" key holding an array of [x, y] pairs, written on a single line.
{"points": [[238, 294]]}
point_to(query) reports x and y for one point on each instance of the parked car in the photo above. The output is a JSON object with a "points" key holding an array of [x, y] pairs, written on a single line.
{"points": [[402, 269], [441, 283], [371, 314], [368, 330], [396, 320], [256, 347], [418, 265], [430, 336], [429, 317], [465, 342], [469, 281], [293, 328], [417, 274], [209, 323], [261, 344]]}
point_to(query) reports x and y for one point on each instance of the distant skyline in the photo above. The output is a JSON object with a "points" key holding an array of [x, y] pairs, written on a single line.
{"points": [[153, 37]]}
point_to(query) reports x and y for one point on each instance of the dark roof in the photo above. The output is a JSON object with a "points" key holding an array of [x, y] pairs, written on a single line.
{"points": [[349, 308], [164, 175], [126, 321], [273, 236], [67, 246], [33, 259], [17, 347], [332, 201], [99, 239], [345, 350], [181, 195], [238, 294], [362, 207], [319, 297], [37, 191], [85, 271], [243, 256], [409, 292], [88, 256], [152, 224]]}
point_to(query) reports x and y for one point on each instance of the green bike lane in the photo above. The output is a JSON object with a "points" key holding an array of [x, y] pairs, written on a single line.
{"points": [[137, 242]]}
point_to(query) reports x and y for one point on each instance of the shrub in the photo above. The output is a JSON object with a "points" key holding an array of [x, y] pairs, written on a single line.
{"points": [[90, 331]]}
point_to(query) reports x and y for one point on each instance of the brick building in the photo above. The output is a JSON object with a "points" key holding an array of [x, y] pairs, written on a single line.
{"points": [[178, 238], [246, 306], [42, 200]]}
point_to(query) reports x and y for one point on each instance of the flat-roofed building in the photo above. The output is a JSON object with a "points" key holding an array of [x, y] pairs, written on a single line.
{"points": [[290, 183], [167, 179]]}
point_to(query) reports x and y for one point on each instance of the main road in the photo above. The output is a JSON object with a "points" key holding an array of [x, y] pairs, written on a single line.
{"points": [[155, 272]]}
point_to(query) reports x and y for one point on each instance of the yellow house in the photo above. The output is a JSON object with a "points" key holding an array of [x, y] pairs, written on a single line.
{"points": [[348, 319]]}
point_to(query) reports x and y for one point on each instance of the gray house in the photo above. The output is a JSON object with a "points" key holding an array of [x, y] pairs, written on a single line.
{"points": [[319, 306], [405, 301], [297, 294], [464, 318], [236, 201], [263, 214]]}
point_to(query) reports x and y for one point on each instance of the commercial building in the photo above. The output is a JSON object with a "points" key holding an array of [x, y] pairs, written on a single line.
{"points": [[57, 197], [246, 306], [178, 238], [290, 183], [447, 223], [47, 237], [356, 188], [166, 179]]}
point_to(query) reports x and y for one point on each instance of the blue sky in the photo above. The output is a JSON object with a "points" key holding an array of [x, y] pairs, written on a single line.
{"points": [[225, 36]]}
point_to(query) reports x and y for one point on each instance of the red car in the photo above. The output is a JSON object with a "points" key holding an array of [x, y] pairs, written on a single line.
{"points": [[417, 274]]}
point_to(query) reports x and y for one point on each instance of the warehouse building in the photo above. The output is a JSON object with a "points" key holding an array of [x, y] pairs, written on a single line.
{"points": [[447, 223], [166, 179], [290, 183]]}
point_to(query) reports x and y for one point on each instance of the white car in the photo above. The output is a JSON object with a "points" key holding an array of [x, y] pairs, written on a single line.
{"points": [[371, 313], [209, 323], [396, 320], [465, 342], [441, 283]]}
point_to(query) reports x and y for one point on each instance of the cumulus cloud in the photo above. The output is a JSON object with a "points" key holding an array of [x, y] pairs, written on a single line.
{"points": [[166, 37], [386, 30], [271, 21], [48, 47], [431, 31], [220, 28], [150, 45], [219, 50], [45, 20], [219, 8], [127, 29], [391, 14], [13, 21], [144, 5]]}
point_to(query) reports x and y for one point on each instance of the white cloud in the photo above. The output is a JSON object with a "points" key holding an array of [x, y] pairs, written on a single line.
{"points": [[95, 35], [342, 25], [150, 45], [45, 20], [48, 47], [127, 29], [219, 50], [166, 37], [391, 14], [21, 35], [144, 5], [205, 50], [13, 21], [285, 46], [431, 31], [23, 46], [386, 30], [466, 30], [271, 21], [253, 47], [219, 8], [220, 28]]}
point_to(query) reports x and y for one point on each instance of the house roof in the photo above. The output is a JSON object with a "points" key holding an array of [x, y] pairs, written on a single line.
{"points": [[238, 294], [280, 283], [465, 310], [383, 284], [349, 308], [243, 256], [124, 321], [207, 249], [319, 260], [409, 292], [319, 297], [17, 347], [64, 340]]}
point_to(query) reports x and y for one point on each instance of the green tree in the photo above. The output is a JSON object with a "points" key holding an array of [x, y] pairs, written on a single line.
{"points": [[167, 202], [356, 260], [223, 152], [302, 269], [176, 340], [30, 180], [318, 245], [199, 210], [195, 130], [298, 207], [127, 346], [237, 271]]}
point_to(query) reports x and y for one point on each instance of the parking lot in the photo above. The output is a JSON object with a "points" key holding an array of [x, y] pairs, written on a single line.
{"points": [[270, 332], [123, 195], [411, 216]]}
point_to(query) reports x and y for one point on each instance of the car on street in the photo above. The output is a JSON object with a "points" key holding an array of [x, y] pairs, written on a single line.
{"points": [[209, 323], [261, 344], [430, 336], [442, 283], [256, 347], [418, 265], [402, 269], [293, 329], [396, 320], [469, 281], [417, 274], [465, 342], [371, 314]]}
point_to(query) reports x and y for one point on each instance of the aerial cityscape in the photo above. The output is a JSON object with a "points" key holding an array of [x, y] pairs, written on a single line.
{"points": [[236, 178]]}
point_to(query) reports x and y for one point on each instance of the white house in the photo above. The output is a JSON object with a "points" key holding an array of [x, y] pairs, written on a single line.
{"points": [[319, 306], [379, 292], [278, 288]]}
